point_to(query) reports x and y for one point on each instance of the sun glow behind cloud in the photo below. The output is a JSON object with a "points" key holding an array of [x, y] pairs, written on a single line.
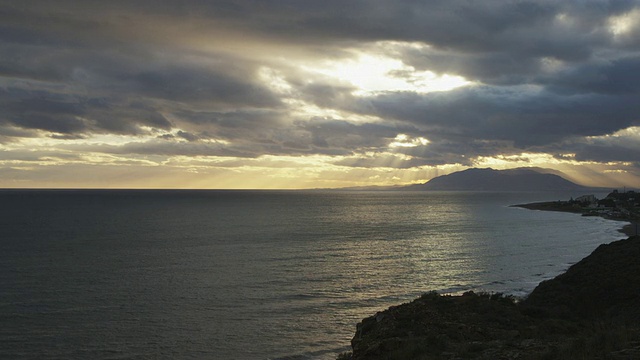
{"points": [[403, 140], [227, 99], [623, 24], [372, 74]]}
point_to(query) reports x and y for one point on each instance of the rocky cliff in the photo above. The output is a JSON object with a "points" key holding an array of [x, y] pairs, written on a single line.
{"points": [[590, 312]]}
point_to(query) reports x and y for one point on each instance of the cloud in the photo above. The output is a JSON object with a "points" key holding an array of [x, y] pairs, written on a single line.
{"points": [[621, 146], [527, 116], [75, 114], [96, 90], [193, 84], [615, 77], [243, 79]]}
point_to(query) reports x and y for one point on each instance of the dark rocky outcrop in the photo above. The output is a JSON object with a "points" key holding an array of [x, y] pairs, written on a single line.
{"points": [[592, 311], [605, 284]]}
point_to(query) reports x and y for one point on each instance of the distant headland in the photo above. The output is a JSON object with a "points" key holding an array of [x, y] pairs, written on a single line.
{"points": [[487, 179], [520, 179]]}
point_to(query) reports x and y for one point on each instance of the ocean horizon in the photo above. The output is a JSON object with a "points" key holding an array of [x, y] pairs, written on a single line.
{"points": [[251, 274]]}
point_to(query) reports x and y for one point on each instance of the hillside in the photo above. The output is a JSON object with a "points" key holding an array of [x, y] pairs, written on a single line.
{"points": [[521, 179]]}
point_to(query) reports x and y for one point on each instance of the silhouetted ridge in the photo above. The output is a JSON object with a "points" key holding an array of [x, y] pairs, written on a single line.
{"points": [[521, 179]]}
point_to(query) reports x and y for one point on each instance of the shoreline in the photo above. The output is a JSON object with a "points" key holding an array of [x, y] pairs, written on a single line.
{"points": [[561, 318], [588, 312], [631, 228]]}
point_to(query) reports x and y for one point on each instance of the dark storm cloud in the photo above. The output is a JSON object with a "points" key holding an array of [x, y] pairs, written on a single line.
{"points": [[158, 74], [71, 114], [53, 115], [327, 95], [341, 134], [70, 91], [619, 147], [193, 84], [616, 77], [608, 152], [473, 26], [234, 124], [257, 132], [316, 136], [522, 28], [525, 116], [489, 68]]}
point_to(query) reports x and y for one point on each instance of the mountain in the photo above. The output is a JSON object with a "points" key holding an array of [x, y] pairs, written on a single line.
{"points": [[520, 179]]}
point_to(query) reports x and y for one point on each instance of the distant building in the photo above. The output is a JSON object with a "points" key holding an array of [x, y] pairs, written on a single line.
{"points": [[590, 199]]}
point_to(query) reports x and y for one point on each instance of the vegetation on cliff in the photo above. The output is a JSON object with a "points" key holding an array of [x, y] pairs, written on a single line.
{"points": [[590, 312]]}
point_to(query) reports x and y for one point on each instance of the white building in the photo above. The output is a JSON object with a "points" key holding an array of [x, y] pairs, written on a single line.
{"points": [[591, 199]]}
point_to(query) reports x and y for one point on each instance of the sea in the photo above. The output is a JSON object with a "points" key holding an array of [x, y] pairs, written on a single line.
{"points": [[208, 274]]}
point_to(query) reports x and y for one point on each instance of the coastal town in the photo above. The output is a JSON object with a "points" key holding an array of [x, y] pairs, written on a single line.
{"points": [[617, 205]]}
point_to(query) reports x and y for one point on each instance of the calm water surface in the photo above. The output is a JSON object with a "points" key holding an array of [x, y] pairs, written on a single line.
{"points": [[255, 275]]}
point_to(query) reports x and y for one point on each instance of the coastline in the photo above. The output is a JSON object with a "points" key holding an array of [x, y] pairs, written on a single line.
{"points": [[630, 229], [588, 312], [561, 318]]}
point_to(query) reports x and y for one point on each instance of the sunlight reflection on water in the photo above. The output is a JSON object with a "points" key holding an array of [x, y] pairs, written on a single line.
{"points": [[256, 275]]}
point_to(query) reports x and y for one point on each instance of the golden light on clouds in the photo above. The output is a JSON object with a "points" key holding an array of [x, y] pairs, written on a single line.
{"points": [[589, 173], [623, 24], [631, 133], [403, 140], [301, 95], [517, 160], [375, 73]]}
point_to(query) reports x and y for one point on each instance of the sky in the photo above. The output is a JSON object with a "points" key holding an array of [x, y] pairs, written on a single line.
{"points": [[293, 94]]}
